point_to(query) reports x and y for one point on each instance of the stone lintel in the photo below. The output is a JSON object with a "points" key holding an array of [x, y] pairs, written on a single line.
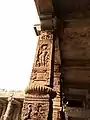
{"points": [[6, 94], [78, 112], [77, 63], [79, 85]]}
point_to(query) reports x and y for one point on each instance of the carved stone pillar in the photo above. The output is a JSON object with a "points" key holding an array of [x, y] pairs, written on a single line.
{"points": [[57, 101], [56, 81], [39, 94], [10, 100]]}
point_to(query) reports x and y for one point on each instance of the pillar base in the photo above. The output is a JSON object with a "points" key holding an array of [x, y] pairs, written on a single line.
{"points": [[36, 107]]}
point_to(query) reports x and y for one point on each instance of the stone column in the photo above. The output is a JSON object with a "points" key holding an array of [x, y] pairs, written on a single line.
{"points": [[39, 94], [10, 100], [56, 81]]}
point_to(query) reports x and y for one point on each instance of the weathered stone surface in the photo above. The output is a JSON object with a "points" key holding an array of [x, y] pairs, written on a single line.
{"points": [[75, 44], [42, 64], [52, 69], [39, 92], [36, 107]]}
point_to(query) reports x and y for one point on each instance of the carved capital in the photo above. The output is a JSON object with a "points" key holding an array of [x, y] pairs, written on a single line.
{"points": [[35, 88]]}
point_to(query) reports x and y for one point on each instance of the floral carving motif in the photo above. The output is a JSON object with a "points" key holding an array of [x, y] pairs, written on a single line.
{"points": [[39, 111], [35, 111], [28, 113]]}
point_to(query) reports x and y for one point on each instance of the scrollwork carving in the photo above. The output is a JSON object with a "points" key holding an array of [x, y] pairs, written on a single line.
{"points": [[39, 112], [35, 111], [28, 113], [27, 109]]}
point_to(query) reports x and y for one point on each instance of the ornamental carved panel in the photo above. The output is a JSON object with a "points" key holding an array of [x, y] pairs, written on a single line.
{"points": [[42, 62], [43, 56], [35, 111], [27, 109]]}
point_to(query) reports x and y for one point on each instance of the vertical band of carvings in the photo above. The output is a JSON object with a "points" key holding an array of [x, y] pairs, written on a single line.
{"points": [[36, 107], [42, 62], [36, 103], [56, 81]]}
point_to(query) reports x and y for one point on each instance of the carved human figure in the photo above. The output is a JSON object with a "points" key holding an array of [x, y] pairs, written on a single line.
{"points": [[28, 114], [42, 56]]}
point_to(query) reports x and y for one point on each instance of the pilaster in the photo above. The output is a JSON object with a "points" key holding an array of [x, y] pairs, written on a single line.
{"points": [[39, 93], [56, 78]]}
